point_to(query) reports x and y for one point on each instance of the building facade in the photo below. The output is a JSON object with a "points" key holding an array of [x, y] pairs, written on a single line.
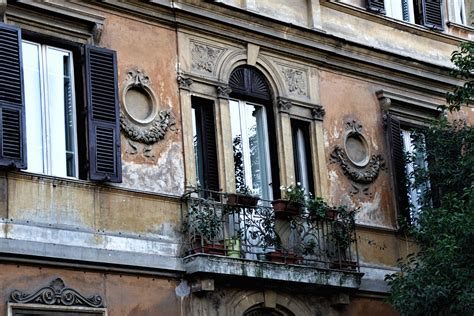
{"points": [[127, 127]]}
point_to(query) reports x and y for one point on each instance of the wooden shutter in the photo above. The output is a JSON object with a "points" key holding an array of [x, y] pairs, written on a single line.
{"points": [[376, 6], [395, 143], [205, 119], [12, 107], [432, 16], [103, 115]]}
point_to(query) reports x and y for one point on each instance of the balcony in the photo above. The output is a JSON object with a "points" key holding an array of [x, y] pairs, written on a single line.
{"points": [[232, 235]]}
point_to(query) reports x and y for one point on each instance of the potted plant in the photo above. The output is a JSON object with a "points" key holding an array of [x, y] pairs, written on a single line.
{"points": [[243, 196], [292, 202], [342, 234], [317, 208], [204, 226]]}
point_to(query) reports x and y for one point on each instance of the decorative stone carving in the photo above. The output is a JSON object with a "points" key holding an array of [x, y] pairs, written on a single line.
{"points": [[184, 82], [3, 8], [140, 119], [56, 294], [365, 175], [295, 81], [355, 159], [97, 32], [204, 57], [153, 132], [223, 91], [318, 112], [284, 105]]}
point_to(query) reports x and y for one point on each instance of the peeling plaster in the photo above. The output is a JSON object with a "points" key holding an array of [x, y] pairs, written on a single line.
{"points": [[167, 176], [370, 213], [326, 139]]}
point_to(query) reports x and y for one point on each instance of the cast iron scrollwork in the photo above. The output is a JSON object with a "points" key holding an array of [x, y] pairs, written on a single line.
{"points": [[56, 294]]}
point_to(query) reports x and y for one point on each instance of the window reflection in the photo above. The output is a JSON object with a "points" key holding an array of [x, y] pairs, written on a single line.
{"points": [[250, 148]]}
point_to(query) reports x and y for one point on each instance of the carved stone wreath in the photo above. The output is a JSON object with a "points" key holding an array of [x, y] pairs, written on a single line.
{"points": [[365, 168], [149, 134], [154, 125], [364, 175], [56, 294]]}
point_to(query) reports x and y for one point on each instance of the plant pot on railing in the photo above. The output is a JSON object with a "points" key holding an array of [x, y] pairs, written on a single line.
{"points": [[284, 208], [331, 213], [280, 257], [240, 199], [343, 265], [233, 247]]}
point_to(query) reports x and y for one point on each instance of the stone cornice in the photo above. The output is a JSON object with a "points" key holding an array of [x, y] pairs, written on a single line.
{"points": [[309, 45]]}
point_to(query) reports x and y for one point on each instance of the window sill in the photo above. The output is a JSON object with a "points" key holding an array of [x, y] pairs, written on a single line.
{"points": [[391, 22], [87, 184], [463, 27]]}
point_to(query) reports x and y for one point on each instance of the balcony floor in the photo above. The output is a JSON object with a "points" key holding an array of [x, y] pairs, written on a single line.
{"points": [[215, 265]]}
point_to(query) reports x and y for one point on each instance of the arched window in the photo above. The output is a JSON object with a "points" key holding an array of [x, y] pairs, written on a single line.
{"points": [[253, 132]]}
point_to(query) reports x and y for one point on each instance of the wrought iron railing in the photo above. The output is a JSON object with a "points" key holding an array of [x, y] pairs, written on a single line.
{"points": [[222, 224]]}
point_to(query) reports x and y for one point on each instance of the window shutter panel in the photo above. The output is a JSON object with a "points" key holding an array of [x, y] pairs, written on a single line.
{"points": [[432, 16], [12, 107], [376, 6], [209, 147], [103, 115], [398, 166]]}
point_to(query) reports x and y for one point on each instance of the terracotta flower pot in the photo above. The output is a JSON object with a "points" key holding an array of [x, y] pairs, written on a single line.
{"points": [[280, 257], [239, 199], [285, 207], [343, 264]]}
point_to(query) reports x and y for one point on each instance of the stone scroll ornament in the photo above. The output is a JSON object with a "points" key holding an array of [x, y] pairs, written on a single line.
{"points": [[149, 125], [355, 159], [56, 294]]}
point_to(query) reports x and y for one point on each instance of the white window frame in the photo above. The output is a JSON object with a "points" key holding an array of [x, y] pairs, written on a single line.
{"points": [[394, 9], [458, 12], [47, 132], [262, 129]]}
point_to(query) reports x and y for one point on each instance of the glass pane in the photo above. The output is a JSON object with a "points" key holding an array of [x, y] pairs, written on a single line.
{"points": [[301, 163], [61, 112], [197, 147], [416, 159], [250, 148], [254, 152], [33, 112], [240, 182]]}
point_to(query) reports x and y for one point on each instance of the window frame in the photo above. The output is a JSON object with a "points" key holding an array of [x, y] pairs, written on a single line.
{"points": [[45, 108], [265, 177], [305, 129], [98, 125], [407, 111]]}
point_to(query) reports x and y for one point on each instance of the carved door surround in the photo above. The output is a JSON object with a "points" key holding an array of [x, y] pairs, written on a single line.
{"points": [[56, 298]]}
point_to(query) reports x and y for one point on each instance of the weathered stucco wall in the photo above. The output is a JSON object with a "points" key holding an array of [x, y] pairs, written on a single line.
{"points": [[152, 48], [122, 294], [346, 99]]}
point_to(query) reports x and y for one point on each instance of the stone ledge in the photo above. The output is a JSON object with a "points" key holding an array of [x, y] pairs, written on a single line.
{"points": [[291, 273]]}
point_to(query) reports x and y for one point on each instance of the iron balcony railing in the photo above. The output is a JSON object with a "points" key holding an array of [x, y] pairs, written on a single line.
{"points": [[226, 224]]}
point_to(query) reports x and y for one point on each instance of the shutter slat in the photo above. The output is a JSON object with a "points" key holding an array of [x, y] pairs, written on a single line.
{"points": [[205, 120], [398, 166], [376, 6], [12, 116], [432, 14], [103, 115]]}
